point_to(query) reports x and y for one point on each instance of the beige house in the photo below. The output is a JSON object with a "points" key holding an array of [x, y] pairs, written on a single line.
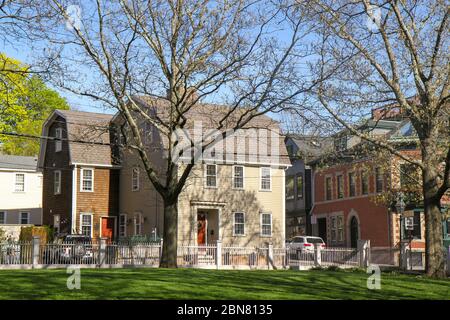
{"points": [[232, 196]]}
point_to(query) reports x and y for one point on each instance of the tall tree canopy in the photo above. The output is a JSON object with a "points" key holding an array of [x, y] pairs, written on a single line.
{"points": [[25, 102]]}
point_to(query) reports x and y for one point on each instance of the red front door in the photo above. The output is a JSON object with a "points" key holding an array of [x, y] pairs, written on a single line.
{"points": [[201, 231], [107, 227]]}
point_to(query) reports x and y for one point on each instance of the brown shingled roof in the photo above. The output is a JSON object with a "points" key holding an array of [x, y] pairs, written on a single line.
{"points": [[88, 126], [210, 115]]}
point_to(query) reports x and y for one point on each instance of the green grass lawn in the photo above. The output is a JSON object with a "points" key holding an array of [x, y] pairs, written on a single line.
{"points": [[213, 284]]}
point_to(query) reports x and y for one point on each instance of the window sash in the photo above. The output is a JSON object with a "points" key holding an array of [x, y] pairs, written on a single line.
{"points": [[138, 224], [135, 179], [57, 182], [328, 187], [364, 183], [266, 224], [19, 183], [24, 218], [2, 217], [238, 177], [86, 224], [352, 184], [300, 186], [378, 180], [239, 224], [87, 179], [289, 187], [211, 175], [265, 178], [340, 186], [122, 225], [58, 141]]}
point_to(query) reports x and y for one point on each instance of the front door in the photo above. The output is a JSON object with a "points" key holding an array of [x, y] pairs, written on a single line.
{"points": [[107, 227], [201, 228], [322, 226]]}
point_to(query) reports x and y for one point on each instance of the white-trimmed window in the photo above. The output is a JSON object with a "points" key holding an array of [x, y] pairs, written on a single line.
{"points": [[135, 179], [87, 180], [19, 183], [86, 224], [57, 182], [333, 229], [266, 178], [211, 176], [2, 217], [340, 228], [137, 223], [239, 224], [56, 223], [289, 187], [238, 177], [24, 218], [58, 141], [123, 225], [266, 224]]}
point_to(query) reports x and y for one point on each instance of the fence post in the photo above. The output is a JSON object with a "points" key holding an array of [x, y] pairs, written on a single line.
{"points": [[317, 254], [160, 248], [219, 254], [102, 252], [404, 255], [364, 252], [35, 250], [270, 256]]}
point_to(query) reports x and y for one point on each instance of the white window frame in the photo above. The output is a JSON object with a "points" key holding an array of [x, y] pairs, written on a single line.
{"points": [[57, 225], [57, 182], [92, 223], [234, 224], [58, 141], [5, 214], [135, 187], [234, 177], [20, 217], [261, 179], [290, 196], [15, 182], [82, 179], [124, 215], [137, 214], [261, 224], [206, 176]]}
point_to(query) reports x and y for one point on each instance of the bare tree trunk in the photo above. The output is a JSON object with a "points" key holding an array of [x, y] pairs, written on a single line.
{"points": [[170, 235], [435, 263]]}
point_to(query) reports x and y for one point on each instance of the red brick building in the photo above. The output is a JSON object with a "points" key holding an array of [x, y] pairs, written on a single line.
{"points": [[80, 181], [353, 192]]}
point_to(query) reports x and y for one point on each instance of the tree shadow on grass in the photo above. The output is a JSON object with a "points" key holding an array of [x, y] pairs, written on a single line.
{"points": [[213, 284]]}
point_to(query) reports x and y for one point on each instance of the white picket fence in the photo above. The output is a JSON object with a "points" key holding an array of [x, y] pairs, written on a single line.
{"points": [[147, 254]]}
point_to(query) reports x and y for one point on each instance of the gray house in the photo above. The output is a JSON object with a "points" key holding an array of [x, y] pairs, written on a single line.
{"points": [[299, 188]]}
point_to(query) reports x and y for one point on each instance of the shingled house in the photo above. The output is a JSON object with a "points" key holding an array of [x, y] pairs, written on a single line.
{"points": [[80, 184], [93, 187]]}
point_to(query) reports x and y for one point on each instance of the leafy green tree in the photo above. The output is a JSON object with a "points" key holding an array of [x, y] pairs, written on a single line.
{"points": [[25, 102]]}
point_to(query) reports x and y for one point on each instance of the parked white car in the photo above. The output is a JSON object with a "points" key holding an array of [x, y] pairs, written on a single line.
{"points": [[304, 243]]}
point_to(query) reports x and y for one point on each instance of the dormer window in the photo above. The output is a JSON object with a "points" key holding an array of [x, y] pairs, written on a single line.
{"points": [[58, 141], [340, 143]]}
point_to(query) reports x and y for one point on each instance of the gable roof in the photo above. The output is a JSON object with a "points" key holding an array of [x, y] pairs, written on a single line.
{"points": [[209, 115], [88, 137], [18, 162]]}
